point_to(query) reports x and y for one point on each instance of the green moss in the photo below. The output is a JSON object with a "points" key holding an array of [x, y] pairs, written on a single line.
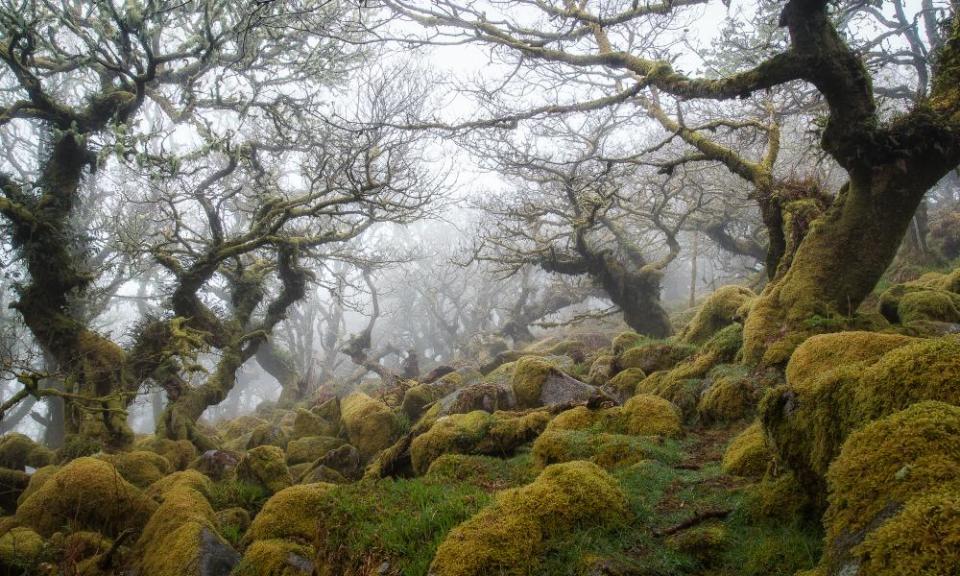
{"points": [[77, 446], [731, 395], [529, 376], [370, 425], [416, 399], [601, 369], [655, 356], [932, 305], [604, 449], [487, 472], [291, 514], [265, 466], [509, 536], [86, 493], [781, 499], [276, 558], [21, 551], [624, 384], [18, 451], [37, 479], [307, 423], [237, 427], [647, 415], [309, 448], [748, 454], [718, 311], [267, 435], [190, 478], [140, 468], [179, 453], [238, 494], [477, 432], [825, 351], [906, 456], [12, 485], [400, 522], [625, 341]]}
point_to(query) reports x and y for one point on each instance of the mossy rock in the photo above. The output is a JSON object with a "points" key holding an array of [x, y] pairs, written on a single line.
{"points": [[779, 498], [748, 454], [705, 543], [84, 544], [307, 423], [309, 448], [731, 395], [276, 558], [487, 472], [293, 513], [265, 466], [235, 517], [268, 435], [85, 494], [21, 551], [345, 460], [537, 382], [189, 478], [417, 398], [37, 479], [370, 425], [601, 370], [217, 464], [932, 297], [722, 308], [892, 504], [182, 538], [77, 446], [477, 432], [509, 537], [141, 468], [606, 450], [485, 396], [825, 351], [179, 453], [237, 427], [624, 384], [642, 415], [625, 341], [320, 473], [655, 356], [18, 451], [12, 485]]}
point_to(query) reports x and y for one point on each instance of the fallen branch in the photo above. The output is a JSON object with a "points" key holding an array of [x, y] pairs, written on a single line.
{"points": [[697, 518]]}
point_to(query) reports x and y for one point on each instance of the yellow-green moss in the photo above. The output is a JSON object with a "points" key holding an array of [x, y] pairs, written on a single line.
{"points": [[86, 493], [37, 480], [276, 558], [935, 305], [179, 453], [234, 517], [21, 549], [267, 435], [880, 469], [923, 538], [624, 384], [581, 418], [309, 448], [718, 311], [655, 356], [601, 369], [293, 513], [825, 351], [84, 544], [508, 537], [606, 450], [18, 451], [371, 426], [140, 468], [12, 485], [306, 423], [626, 340], [476, 432], [529, 374], [416, 398], [265, 466], [188, 478], [778, 497], [647, 415], [731, 395], [748, 454], [237, 427]]}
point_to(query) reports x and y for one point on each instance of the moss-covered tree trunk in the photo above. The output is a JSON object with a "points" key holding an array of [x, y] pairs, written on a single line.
{"points": [[890, 168]]}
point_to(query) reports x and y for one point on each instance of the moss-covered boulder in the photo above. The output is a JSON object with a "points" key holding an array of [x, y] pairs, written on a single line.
{"points": [[748, 454], [485, 396], [722, 308], [77, 446], [12, 485], [893, 496], [37, 479], [21, 551], [624, 384], [179, 453], [654, 356], [732, 393], [537, 382], [625, 341], [509, 537], [85, 494], [265, 466], [268, 435], [217, 464], [237, 427], [309, 448], [308, 423], [601, 370], [604, 449], [182, 538], [477, 432], [416, 398], [140, 468], [276, 558], [18, 451], [293, 513], [370, 425], [826, 351], [345, 460], [642, 415], [934, 297]]}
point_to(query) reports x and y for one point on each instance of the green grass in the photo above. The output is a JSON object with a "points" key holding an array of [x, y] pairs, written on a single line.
{"points": [[398, 521], [486, 472]]}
